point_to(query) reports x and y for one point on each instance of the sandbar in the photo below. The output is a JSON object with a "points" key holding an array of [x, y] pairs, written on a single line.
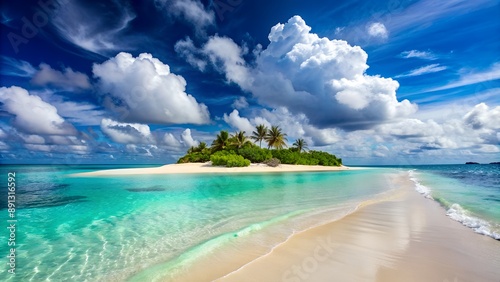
{"points": [[404, 237], [197, 168]]}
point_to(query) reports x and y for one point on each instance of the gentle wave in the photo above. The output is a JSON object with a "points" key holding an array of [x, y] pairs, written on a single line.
{"points": [[422, 189], [455, 211]]}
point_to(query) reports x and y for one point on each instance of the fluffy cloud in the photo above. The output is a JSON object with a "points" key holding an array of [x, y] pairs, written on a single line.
{"points": [[31, 114], [411, 128], [227, 57], [478, 128], [321, 78], [140, 136], [187, 139], [170, 140], [184, 141], [482, 117], [143, 90], [240, 103], [192, 11], [68, 79], [235, 121], [186, 49], [126, 133], [224, 55], [378, 30]]}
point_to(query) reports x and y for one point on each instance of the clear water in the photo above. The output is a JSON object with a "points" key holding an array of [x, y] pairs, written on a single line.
{"points": [[110, 228], [469, 193]]}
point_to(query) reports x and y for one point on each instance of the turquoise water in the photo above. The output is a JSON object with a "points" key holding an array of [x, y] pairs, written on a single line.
{"points": [[111, 228], [470, 194], [118, 228]]}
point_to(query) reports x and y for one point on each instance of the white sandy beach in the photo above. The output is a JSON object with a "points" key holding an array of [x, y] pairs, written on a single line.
{"points": [[404, 237], [195, 168]]}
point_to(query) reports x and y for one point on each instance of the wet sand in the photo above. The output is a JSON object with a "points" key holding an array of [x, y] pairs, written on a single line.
{"points": [[407, 238]]}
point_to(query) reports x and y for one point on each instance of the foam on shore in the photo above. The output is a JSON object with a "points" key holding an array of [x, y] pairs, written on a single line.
{"points": [[455, 211]]}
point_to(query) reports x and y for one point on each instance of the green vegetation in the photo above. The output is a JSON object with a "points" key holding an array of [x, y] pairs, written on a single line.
{"points": [[238, 151], [224, 158]]}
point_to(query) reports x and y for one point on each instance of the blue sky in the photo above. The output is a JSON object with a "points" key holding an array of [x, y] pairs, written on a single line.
{"points": [[374, 82]]}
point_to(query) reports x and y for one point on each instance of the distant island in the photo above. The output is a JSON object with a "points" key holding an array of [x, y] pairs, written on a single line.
{"points": [[238, 150], [472, 163]]}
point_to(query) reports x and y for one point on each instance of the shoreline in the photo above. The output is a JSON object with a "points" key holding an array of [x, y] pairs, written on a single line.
{"points": [[404, 237], [407, 238], [204, 168]]}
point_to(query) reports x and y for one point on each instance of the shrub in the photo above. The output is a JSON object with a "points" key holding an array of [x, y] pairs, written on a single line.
{"points": [[286, 156], [195, 157], [222, 158], [291, 156], [255, 154]]}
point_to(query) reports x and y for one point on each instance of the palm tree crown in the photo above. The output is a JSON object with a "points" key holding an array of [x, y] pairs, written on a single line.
{"points": [[275, 138], [221, 141], [259, 134], [239, 139], [300, 144]]}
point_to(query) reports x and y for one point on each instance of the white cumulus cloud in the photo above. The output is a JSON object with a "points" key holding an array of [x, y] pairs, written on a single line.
{"points": [[378, 30], [481, 116], [187, 139], [235, 121], [143, 90], [321, 78], [127, 133], [31, 114], [227, 57]]}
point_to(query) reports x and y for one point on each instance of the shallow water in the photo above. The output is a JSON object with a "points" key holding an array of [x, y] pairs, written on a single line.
{"points": [[108, 228], [113, 228]]}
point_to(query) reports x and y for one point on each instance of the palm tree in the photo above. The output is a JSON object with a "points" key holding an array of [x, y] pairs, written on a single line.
{"points": [[300, 144], [239, 139], [221, 141], [275, 138], [259, 134], [201, 147]]}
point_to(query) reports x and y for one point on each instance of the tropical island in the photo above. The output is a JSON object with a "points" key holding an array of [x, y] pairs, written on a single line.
{"points": [[238, 150], [238, 153]]}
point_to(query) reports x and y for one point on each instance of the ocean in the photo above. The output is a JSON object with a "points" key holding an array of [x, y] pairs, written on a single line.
{"points": [[118, 228], [470, 194]]}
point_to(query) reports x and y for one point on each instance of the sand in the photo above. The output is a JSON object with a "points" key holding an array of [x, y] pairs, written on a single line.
{"points": [[408, 238], [195, 168], [405, 237]]}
